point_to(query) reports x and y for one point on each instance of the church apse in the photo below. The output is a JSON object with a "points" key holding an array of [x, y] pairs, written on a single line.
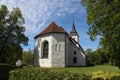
{"points": [[58, 48]]}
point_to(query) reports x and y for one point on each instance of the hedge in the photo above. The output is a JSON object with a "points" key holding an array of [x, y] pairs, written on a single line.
{"points": [[44, 74], [30, 73]]}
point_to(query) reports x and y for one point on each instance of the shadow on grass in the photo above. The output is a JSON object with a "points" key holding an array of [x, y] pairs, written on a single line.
{"points": [[4, 71]]}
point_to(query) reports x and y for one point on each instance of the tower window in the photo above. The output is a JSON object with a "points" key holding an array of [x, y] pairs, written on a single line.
{"points": [[74, 52], [74, 60], [45, 49]]}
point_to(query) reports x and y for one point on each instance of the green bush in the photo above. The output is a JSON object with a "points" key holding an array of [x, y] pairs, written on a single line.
{"points": [[33, 73], [44, 74], [102, 75], [115, 78]]}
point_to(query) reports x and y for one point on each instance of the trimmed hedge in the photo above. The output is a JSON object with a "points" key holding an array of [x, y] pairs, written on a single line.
{"points": [[30, 73], [44, 74]]}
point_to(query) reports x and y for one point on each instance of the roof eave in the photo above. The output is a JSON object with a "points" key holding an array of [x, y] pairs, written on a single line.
{"points": [[49, 33]]}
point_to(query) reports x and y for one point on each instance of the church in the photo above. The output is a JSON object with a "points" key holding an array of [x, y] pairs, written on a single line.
{"points": [[55, 47]]}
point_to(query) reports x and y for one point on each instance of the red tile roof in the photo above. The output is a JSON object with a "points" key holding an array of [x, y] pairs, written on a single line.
{"points": [[52, 28]]}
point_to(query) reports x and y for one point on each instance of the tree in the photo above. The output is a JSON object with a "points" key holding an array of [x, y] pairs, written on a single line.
{"points": [[96, 57], [28, 57], [90, 57], [88, 51], [101, 57], [103, 17], [11, 34]]}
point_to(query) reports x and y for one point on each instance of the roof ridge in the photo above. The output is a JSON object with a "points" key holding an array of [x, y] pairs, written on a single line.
{"points": [[52, 28]]}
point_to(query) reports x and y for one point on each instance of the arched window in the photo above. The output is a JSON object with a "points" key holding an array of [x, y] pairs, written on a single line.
{"points": [[45, 49], [74, 60]]}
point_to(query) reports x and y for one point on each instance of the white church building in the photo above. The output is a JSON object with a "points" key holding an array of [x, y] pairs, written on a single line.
{"points": [[54, 47]]}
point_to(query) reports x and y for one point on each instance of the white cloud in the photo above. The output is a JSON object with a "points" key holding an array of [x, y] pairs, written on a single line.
{"points": [[38, 13]]}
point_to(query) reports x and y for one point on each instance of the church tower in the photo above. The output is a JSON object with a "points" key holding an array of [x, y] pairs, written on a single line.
{"points": [[74, 33]]}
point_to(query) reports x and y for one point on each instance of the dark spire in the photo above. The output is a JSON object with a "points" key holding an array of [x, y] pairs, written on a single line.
{"points": [[73, 32], [73, 27]]}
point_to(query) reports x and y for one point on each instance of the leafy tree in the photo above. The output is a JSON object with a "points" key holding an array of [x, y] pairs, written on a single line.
{"points": [[88, 51], [101, 57], [96, 57], [11, 34], [103, 17], [91, 58], [28, 57]]}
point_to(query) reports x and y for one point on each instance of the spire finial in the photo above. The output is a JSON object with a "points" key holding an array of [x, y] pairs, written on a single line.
{"points": [[73, 19], [73, 26]]}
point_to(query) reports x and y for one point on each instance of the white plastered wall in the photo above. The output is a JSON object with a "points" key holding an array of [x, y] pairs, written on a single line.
{"points": [[81, 58], [42, 62], [58, 50], [56, 57], [61, 52]]}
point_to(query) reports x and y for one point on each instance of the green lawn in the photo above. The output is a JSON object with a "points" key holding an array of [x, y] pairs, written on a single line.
{"points": [[86, 70]]}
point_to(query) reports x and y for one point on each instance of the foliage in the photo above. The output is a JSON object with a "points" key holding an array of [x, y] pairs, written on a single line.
{"points": [[11, 34], [10, 71], [4, 71], [88, 51], [96, 57], [102, 75], [44, 74], [13, 53], [103, 17], [27, 57], [88, 70], [90, 58], [33, 73], [101, 57]]}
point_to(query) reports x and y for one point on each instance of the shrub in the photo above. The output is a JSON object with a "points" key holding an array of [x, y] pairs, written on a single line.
{"points": [[115, 76], [102, 75], [44, 74], [30, 73]]}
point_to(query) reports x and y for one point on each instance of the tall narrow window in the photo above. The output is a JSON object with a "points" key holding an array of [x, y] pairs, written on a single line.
{"points": [[74, 52], [74, 60], [45, 49]]}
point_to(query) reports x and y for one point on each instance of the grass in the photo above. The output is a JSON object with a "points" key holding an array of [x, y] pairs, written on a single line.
{"points": [[5, 69], [87, 70]]}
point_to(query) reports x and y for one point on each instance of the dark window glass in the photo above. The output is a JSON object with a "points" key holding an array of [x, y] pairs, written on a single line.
{"points": [[45, 50], [74, 60], [74, 52]]}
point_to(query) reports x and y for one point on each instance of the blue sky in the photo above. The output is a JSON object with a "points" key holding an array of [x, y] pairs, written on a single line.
{"points": [[39, 13]]}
